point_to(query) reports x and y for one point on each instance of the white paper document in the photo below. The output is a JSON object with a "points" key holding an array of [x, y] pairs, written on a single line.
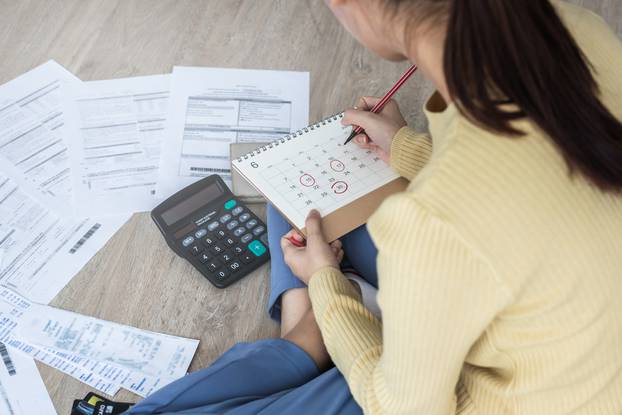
{"points": [[42, 251], [139, 350], [210, 108], [22, 391], [32, 133], [118, 126], [102, 354], [43, 241]]}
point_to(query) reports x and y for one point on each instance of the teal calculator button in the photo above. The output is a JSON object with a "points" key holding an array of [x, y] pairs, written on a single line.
{"points": [[257, 248], [230, 204]]}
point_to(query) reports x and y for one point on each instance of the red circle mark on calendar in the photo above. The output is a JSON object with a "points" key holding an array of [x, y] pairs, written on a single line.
{"points": [[339, 187], [337, 165], [307, 180]]}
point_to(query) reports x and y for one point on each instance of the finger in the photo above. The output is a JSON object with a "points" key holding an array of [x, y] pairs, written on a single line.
{"points": [[336, 244], [313, 223], [367, 103], [293, 233], [361, 139], [339, 256], [287, 246], [363, 119]]}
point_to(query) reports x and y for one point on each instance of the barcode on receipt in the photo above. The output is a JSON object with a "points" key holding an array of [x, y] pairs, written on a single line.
{"points": [[84, 238]]}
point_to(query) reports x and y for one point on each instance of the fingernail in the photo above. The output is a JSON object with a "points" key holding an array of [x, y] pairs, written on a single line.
{"points": [[297, 237], [355, 107]]}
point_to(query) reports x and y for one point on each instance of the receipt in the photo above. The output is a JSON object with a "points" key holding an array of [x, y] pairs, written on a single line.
{"points": [[135, 349], [103, 374]]}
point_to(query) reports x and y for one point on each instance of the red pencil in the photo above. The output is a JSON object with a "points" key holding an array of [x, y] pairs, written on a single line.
{"points": [[380, 105]]}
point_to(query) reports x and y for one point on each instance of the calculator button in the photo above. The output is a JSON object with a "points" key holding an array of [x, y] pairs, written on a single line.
{"points": [[225, 218], [188, 240], [230, 241], [247, 257], [220, 234], [234, 266], [212, 266], [238, 249], [251, 223], [204, 257], [230, 204], [226, 257], [213, 226], [244, 217], [195, 249], [258, 230], [216, 249], [257, 248], [232, 224], [200, 233], [237, 211], [239, 231], [222, 274], [246, 238], [264, 238], [209, 240]]}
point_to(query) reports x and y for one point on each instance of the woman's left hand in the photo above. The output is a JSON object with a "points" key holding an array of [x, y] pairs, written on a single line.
{"points": [[317, 254]]}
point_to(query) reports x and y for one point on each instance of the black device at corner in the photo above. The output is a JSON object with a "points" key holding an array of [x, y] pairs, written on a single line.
{"points": [[209, 227]]}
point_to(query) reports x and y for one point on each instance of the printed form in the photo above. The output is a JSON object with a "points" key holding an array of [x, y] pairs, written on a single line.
{"points": [[119, 125], [214, 107], [22, 391], [102, 354], [44, 244], [32, 132]]}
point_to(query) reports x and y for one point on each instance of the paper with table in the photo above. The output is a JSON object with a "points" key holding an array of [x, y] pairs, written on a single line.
{"points": [[119, 126], [210, 108], [103, 354]]}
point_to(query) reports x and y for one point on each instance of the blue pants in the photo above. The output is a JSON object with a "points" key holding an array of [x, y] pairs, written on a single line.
{"points": [[271, 376]]}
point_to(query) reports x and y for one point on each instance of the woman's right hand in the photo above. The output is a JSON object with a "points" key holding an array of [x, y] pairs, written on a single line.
{"points": [[379, 128]]}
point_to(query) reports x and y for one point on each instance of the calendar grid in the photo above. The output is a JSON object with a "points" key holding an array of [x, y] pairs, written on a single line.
{"points": [[316, 170]]}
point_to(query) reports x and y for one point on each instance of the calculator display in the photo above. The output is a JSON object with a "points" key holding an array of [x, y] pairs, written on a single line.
{"points": [[187, 206]]}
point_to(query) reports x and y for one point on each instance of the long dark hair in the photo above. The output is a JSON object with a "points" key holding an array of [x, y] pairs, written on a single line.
{"points": [[520, 52]]}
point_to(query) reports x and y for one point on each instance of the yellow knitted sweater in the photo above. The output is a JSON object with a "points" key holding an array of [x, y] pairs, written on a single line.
{"points": [[500, 276]]}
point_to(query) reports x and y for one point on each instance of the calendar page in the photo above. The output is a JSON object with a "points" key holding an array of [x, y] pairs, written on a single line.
{"points": [[312, 168]]}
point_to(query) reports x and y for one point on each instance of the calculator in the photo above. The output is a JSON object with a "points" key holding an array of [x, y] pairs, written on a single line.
{"points": [[208, 226]]}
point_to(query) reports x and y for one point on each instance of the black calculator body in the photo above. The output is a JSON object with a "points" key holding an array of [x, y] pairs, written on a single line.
{"points": [[209, 227]]}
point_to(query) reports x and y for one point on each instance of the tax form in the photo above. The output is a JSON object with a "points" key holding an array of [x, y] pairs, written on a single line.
{"points": [[214, 107], [118, 128], [42, 250], [43, 241], [32, 132]]}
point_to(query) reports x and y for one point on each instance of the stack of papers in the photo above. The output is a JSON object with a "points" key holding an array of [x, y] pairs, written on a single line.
{"points": [[77, 159]]}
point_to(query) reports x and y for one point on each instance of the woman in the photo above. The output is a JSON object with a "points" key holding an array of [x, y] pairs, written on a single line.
{"points": [[498, 268]]}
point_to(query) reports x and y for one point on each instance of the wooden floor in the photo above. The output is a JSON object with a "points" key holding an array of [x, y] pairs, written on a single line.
{"points": [[136, 279]]}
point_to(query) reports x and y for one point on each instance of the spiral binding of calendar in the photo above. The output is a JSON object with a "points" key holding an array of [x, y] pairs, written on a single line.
{"points": [[288, 137]]}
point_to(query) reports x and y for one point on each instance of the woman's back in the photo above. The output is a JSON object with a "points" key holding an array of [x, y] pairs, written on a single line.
{"points": [[551, 243]]}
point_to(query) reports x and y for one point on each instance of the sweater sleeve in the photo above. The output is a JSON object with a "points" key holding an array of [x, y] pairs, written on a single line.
{"points": [[437, 296], [410, 152]]}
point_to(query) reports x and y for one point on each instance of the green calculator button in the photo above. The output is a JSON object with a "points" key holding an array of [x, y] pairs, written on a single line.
{"points": [[230, 204], [257, 248]]}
